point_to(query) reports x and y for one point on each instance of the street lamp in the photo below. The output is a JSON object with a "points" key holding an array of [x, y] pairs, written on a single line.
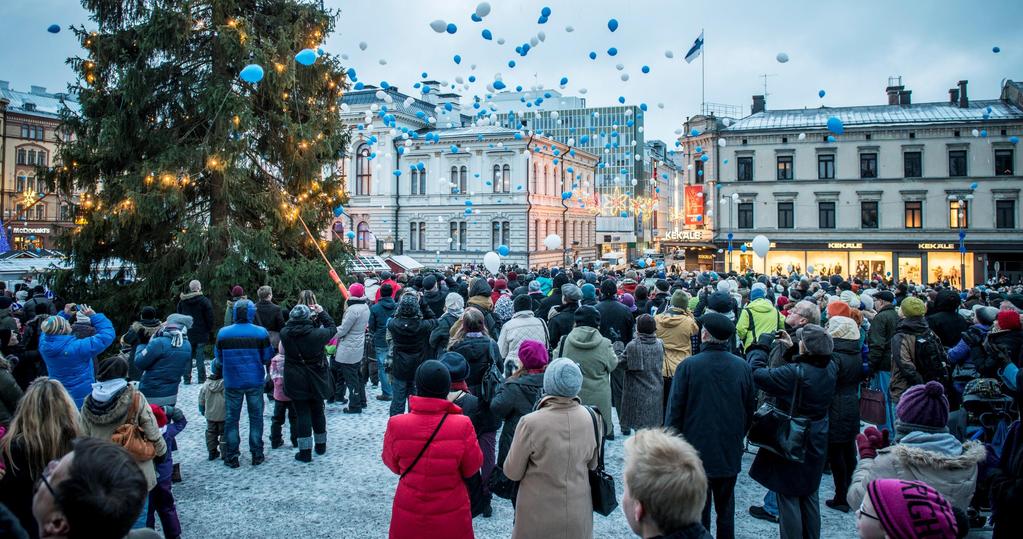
{"points": [[962, 214], [4, 102]]}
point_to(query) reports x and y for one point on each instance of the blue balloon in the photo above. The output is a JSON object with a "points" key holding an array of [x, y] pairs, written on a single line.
{"points": [[472, 78], [503, 250], [694, 133], [487, 35], [995, 50], [641, 263], [699, 218], [306, 57], [499, 85], [339, 211], [593, 55], [564, 81], [699, 149], [541, 20], [546, 11], [350, 234], [973, 185], [835, 125], [983, 132], [612, 24], [468, 203], [612, 52], [831, 138], [566, 195], [621, 99], [458, 59], [742, 247], [1014, 139], [623, 214], [451, 28], [645, 69], [397, 173], [511, 63], [55, 28], [476, 18], [704, 158], [251, 73], [820, 94]]}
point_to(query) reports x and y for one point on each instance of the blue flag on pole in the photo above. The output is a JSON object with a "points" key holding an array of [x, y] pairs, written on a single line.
{"points": [[695, 50]]}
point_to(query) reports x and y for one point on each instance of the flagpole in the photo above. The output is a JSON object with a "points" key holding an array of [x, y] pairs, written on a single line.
{"points": [[703, 74]]}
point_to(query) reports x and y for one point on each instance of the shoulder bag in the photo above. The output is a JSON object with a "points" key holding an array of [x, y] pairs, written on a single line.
{"points": [[602, 485], [872, 407], [782, 433], [130, 435], [423, 450]]}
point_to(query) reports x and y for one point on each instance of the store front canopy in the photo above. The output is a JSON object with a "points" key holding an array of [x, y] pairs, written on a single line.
{"points": [[371, 263], [403, 264]]}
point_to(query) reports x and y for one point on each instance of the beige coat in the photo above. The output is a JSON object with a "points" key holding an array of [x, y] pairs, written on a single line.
{"points": [[676, 328], [551, 455], [103, 425]]}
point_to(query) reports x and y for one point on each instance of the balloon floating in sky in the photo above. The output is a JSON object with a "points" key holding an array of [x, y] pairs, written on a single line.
{"points": [[669, 54], [483, 9], [487, 35], [458, 59], [363, 45], [802, 136], [570, 29], [782, 57], [995, 50], [612, 52], [439, 26], [350, 235], [1014, 139], [338, 211], [820, 93], [645, 69], [306, 57], [566, 195], [251, 73], [55, 29], [612, 24], [722, 142], [975, 132], [451, 28], [503, 250], [831, 138], [835, 125], [593, 55]]}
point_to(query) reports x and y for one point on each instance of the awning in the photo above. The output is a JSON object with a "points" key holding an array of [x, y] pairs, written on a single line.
{"points": [[403, 263], [614, 255], [362, 263]]}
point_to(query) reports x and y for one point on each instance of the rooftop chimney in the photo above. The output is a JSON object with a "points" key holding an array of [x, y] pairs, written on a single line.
{"points": [[964, 102], [41, 90], [759, 104], [953, 96], [904, 97]]}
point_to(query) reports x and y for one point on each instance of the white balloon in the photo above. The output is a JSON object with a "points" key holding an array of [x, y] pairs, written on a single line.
{"points": [[582, 90], [552, 242], [483, 9], [382, 62], [541, 35], [761, 245], [809, 269], [722, 142], [440, 219], [500, 41], [620, 67], [555, 114], [635, 182], [381, 94], [975, 133], [439, 26], [802, 136], [492, 261], [625, 77], [570, 29], [363, 45], [669, 54], [660, 105], [408, 101], [782, 57], [534, 41], [735, 196]]}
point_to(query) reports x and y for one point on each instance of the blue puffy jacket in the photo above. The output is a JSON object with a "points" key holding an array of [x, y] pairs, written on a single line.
{"points": [[163, 365], [69, 359], [242, 349]]}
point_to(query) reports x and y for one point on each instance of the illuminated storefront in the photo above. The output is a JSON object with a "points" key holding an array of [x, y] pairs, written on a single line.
{"points": [[694, 245], [913, 262]]}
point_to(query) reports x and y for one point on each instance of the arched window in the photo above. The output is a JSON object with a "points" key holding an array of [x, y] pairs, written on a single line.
{"points": [[536, 168], [22, 180], [362, 236], [463, 179], [454, 180], [506, 179], [497, 178], [363, 171]]}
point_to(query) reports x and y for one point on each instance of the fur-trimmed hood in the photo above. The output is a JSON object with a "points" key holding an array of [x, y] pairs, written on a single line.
{"points": [[915, 456], [114, 411]]}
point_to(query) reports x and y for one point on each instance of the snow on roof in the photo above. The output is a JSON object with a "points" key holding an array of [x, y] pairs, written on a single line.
{"points": [[368, 97], [917, 113], [37, 101], [406, 262]]}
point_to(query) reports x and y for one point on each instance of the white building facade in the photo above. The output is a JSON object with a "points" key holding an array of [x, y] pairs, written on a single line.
{"points": [[888, 197]]}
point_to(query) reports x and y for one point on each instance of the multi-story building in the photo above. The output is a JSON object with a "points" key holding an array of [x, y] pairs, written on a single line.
{"points": [[32, 215], [424, 181], [922, 192]]}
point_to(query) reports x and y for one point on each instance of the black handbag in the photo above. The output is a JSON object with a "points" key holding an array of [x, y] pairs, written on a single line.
{"points": [[782, 433], [474, 485], [501, 486], [602, 485]]}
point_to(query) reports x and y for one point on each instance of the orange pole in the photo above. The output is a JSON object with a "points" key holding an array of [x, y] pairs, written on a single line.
{"points": [[333, 274]]}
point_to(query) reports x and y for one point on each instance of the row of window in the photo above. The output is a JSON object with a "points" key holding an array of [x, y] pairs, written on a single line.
{"points": [[958, 214], [22, 182], [38, 212], [31, 157], [500, 235], [33, 132], [912, 165]]}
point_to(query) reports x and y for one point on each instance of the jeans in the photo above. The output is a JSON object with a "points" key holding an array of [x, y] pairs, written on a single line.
{"points": [[309, 419], [721, 490], [141, 521], [282, 408], [385, 378], [488, 445], [881, 381], [199, 360], [253, 396], [356, 384], [799, 517], [771, 503], [401, 390]]}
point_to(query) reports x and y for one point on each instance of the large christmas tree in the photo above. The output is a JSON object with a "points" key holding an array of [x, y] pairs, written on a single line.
{"points": [[189, 171]]}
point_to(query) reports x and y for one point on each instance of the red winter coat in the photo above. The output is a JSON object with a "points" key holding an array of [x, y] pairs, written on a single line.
{"points": [[395, 288], [432, 496]]}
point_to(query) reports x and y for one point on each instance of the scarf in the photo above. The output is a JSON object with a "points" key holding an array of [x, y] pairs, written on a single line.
{"points": [[460, 386], [942, 443], [104, 391], [456, 311]]}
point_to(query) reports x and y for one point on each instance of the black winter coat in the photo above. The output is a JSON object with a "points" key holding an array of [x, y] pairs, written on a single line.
{"points": [[515, 398], [879, 339], [269, 316], [844, 415], [480, 353], [553, 300], [817, 389], [306, 375], [28, 310], [434, 299], [441, 335], [711, 405], [200, 308], [561, 324], [616, 321], [945, 321], [379, 315], [410, 342]]}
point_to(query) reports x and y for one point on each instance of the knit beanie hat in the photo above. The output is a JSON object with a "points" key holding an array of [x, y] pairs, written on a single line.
{"points": [[912, 509], [571, 292], [159, 414], [587, 316], [724, 286], [148, 313], [720, 302], [456, 365], [1008, 320], [111, 368], [608, 288], [357, 290], [433, 380], [839, 308], [680, 299], [629, 301], [237, 291], [912, 307], [866, 302], [924, 407], [662, 285], [985, 315], [646, 324], [589, 291], [532, 354], [816, 340], [782, 302], [843, 327], [454, 302], [562, 378], [300, 312], [757, 293], [534, 286], [500, 284], [180, 320], [6, 302], [504, 308], [408, 307], [429, 282]]}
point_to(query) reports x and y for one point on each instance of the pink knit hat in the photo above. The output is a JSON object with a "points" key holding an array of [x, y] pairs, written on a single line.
{"points": [[357, 290], [533, 354], [908, 509]]}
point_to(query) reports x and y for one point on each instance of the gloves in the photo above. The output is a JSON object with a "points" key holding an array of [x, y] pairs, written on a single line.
{"points": [[766, 340], [177, 416], [870, 440]]}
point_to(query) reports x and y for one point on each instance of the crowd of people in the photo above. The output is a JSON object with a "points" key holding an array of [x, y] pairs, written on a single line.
{"points": [[506, 386]]}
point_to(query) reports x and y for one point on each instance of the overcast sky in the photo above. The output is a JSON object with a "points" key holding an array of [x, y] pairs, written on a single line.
{"points": [[846, 48]]}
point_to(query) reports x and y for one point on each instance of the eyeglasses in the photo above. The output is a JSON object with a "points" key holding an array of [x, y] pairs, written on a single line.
{"points": [[44, 478], [861, 512]]}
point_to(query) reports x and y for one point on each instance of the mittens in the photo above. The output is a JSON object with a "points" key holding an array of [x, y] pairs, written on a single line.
{"points": [[870, 440]]}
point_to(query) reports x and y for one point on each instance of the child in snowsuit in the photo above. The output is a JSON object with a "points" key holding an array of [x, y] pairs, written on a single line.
{"points": [[161, 499], [282, 404], [213, 407]]}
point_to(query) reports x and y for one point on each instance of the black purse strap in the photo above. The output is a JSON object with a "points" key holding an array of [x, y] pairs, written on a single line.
{"points": [[423, 450], [597, 437], [794, 405]]}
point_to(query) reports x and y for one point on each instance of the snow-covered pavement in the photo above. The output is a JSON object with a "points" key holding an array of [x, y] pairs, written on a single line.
{"points": [[347, 493]]}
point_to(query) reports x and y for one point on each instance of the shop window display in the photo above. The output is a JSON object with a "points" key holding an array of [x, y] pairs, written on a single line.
{"points": [[870, 265], [910, 270], [828, 263], [945, 266]]}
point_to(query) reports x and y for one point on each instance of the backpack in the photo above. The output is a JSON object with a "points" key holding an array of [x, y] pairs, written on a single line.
{"points": [[492, 377], [131, 437], [931, 358]]}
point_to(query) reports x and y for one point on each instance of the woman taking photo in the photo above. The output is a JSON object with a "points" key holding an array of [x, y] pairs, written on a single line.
{"points": [[69, 359], [306, 375], [551, 455], [43, 426]]}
